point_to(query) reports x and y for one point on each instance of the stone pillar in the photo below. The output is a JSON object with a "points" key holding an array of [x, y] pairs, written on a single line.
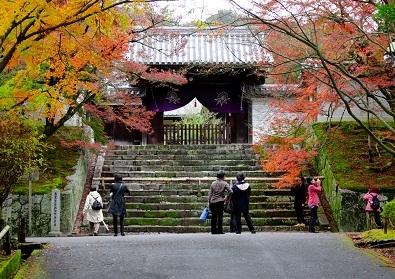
{"points": [[7, 209], [55, 213]]}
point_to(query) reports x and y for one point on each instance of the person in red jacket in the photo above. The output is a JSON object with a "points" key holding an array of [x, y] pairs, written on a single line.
{"points": [[373, 191], [313, 190]]}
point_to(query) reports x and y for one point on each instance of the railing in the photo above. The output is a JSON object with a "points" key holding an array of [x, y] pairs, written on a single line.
{"points": [[197, 134], [7, 244]]}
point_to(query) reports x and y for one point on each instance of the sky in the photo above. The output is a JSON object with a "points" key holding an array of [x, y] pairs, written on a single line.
{"points": [[200, 9]]}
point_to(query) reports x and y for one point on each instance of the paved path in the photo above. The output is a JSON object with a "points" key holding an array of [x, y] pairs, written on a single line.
{"points": [[187, 256]]}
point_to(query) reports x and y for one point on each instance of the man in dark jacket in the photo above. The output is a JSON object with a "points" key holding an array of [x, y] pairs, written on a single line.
{"points": [[118, 207], [241, 202]]}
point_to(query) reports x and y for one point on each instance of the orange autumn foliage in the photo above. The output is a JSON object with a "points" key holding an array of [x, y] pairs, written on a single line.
{"points": [[60, 57]]}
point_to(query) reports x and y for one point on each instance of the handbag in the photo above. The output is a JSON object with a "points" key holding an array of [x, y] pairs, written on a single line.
{"points": [[228, 206], [109, 205], [204, 215]]}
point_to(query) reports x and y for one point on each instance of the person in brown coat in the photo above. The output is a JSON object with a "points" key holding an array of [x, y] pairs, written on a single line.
{"points": [[216, 201]]}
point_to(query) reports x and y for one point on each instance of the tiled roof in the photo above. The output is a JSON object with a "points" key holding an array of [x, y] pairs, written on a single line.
{"points": [[182, 46]]}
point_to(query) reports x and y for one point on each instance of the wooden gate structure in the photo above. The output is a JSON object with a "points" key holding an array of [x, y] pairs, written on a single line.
{"points": [[219, 67], [197, 134]]}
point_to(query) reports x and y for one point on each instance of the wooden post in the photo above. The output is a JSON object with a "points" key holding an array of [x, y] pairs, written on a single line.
{"points": [[22, 229], [367, 221], [7, 244]]}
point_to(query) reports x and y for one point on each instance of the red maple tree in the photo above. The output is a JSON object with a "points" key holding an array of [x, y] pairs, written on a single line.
{"points": [[333, 52]]}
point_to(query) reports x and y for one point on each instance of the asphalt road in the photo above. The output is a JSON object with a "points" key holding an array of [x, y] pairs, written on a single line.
{"points": [[187, 256]]}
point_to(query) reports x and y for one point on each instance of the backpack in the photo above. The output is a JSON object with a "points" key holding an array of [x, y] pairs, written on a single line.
{"points": [[375, 202], [96, 205]]}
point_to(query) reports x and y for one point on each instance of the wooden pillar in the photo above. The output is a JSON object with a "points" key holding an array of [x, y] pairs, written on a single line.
{"points": [[239, 128], [157, 125]]}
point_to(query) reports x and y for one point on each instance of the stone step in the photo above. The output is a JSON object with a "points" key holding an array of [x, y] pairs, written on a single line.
{"points": [[176, 152], [180, 148], [166, 168], [180, 213], [183, 157], [179, 191], [171, 162], [186, 183], [203, 228], [192, 221], [199, 199], [193, 227], [199, 206], [183, 162], [170, 186], [208, 173]]}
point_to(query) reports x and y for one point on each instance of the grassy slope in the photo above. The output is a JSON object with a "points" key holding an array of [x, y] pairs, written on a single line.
{"points": [[347, 149], [58, 164]]}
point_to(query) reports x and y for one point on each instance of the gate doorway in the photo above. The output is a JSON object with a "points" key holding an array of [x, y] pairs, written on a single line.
{"points": [[195, 124]]}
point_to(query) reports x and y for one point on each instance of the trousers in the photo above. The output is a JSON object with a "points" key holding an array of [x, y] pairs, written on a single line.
{"points": [[115, 223], [217, 214], [313, 217], [247, 217]]}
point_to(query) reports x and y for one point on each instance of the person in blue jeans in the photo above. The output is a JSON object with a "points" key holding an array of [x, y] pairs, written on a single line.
{"points": [[241, 202], [313, 190]]}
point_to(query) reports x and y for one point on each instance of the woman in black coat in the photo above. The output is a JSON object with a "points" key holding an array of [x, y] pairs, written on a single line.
{"points": [[118, 207], [299, 192], [241, 202]]}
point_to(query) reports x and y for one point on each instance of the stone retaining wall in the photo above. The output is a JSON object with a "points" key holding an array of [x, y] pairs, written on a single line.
{"points": [[41, 205], [348, 207]]}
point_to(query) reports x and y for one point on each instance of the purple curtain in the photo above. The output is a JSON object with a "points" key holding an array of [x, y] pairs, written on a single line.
{"points": [[221, 99]]}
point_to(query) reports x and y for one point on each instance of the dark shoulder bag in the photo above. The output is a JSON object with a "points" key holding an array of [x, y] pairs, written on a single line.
{"points": [[110, 201]]}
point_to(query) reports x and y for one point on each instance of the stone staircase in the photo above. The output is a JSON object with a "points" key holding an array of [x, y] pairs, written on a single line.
{"points": [[170, 184]]}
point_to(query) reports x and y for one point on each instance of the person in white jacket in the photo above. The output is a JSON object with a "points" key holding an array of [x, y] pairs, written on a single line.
{"points": [[93, 216]]}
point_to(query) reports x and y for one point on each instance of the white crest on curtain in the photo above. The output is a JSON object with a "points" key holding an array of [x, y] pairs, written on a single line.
{"points": [[222, 98], [172, 97]]}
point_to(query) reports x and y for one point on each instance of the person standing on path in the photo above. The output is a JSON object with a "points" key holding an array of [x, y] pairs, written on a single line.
{"points": [[241, 202], [299, 192], [94, 217], [216, 201], [313, 189], [118, 206], [373, 191]]}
